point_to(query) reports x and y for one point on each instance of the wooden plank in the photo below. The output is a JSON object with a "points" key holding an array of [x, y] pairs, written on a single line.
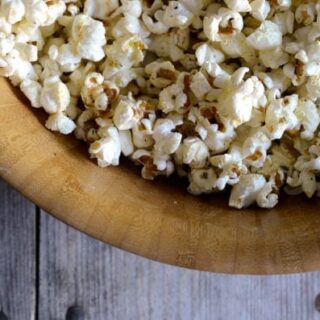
{"points": [[112, 284], [17, 255]]}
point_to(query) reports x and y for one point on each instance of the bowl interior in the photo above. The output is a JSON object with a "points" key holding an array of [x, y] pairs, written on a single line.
{"points": [[158, 220]]}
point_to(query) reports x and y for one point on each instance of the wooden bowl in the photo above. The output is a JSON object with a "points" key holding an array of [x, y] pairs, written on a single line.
{"points": [[158, 220]]}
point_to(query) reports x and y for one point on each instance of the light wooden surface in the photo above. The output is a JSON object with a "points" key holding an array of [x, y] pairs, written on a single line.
{"points": [[108, 283], [158, 220]]}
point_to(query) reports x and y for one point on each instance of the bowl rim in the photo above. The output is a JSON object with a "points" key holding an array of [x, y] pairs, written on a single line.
{"points": [[176, 229]]}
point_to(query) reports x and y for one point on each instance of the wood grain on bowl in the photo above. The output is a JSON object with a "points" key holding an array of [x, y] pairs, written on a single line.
{"points": [[158, 220]]}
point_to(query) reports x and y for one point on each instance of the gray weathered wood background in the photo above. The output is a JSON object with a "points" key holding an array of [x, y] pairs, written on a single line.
{"points": [[47, 267]]}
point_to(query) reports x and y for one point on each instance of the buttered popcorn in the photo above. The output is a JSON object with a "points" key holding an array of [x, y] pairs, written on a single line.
{"points": [[225, 93]]}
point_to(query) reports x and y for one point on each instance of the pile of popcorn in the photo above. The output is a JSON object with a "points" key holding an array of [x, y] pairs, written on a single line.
{"points": [[225, 93]]}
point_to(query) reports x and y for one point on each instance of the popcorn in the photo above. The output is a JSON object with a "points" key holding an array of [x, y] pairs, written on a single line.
{"points": [[171, 44], [127, 113], [12, 10], [239, 6], [225, 23], [280, 116], [100, 9], [284, 4], [32, 90], [219, 75], [36, 13], [313, 87], [177, 15], [129, 25], [255, 147], [274, 58], [194, 152], [6, 45], [142, 132], [305, 175], [152, 6], [54, 12], [276, 80], [77, 77], [172, 98], [307, 61], [27, 51], [237, 99], [59, 122], [225, 93], [123, 54], [163, 136], [180, 38], [18, 68], [107, 150], [89, 36], [94, 93], [82, 124], [149, 170], [231, 168], [67, 57], [73, 9], [282, 156], [235, 46], [305, 14], [55, 96], [127, 147], [285, 21], [260, 9], [162, 74], [27, 31], [200, 86], [309, 118], [166, 142], [266, 197], [132, 8], [207, 53], [73, 110], [267, 36], [5, 26], [218, 140], [50, 68], [157, 26], [188, 61], [247, 190], [202, 181]]}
